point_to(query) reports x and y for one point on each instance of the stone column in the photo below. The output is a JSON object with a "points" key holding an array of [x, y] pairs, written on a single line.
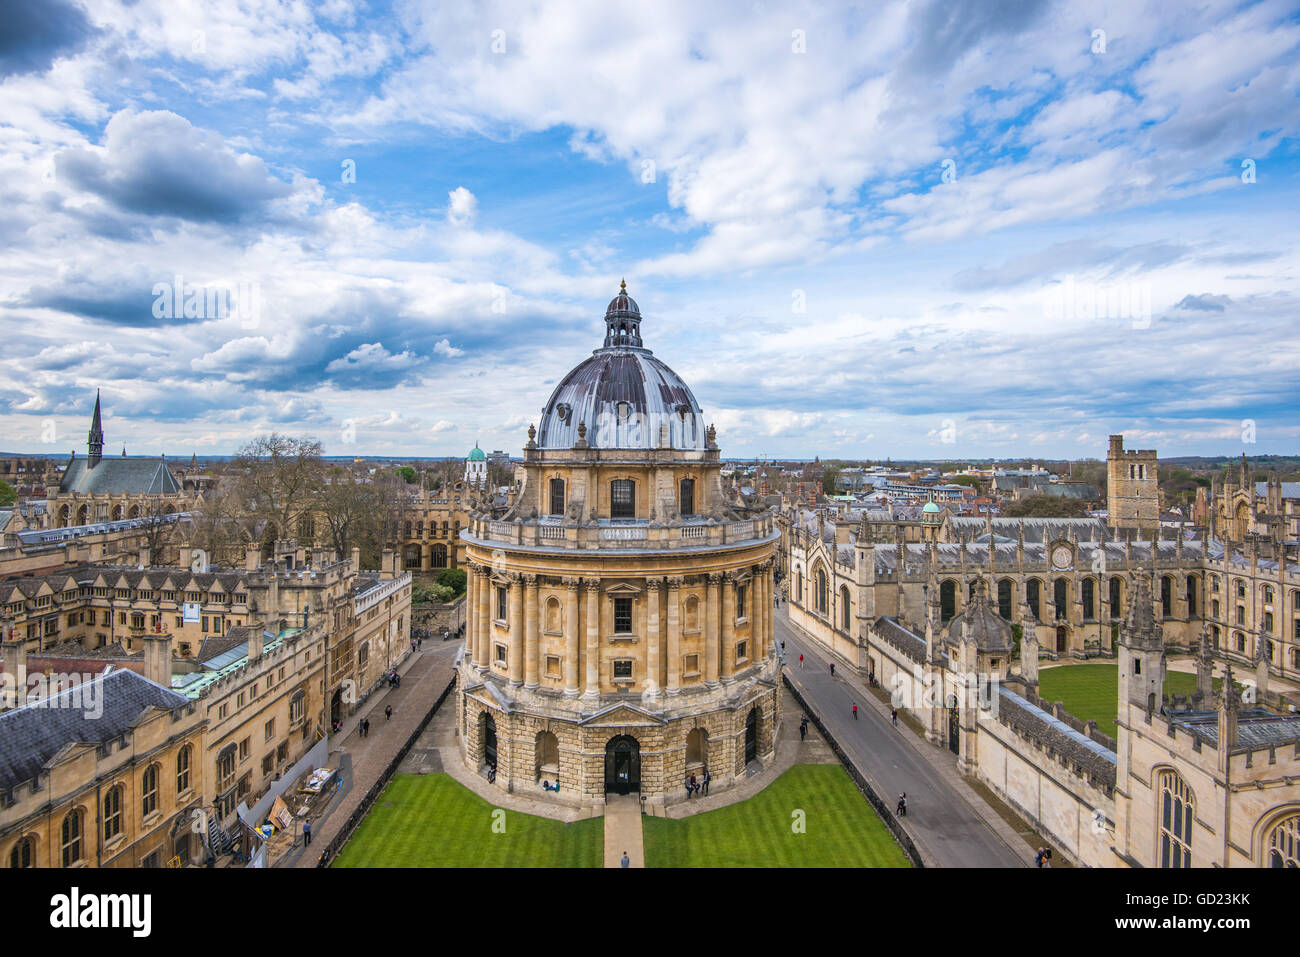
{"points": [[727, 629], [516, 629], [674, 676], [570, 637], [592, 688], [483, 626], [712, 639], [471, 606], [653, 638], [761, 602], [531, 644]]}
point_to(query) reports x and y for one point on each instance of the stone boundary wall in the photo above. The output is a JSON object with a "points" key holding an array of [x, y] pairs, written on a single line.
{"points": [[333, 848], [1045, 788], [882, 808]]}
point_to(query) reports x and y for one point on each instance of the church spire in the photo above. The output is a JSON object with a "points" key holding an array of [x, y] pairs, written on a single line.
{"points": [[95, 442]]}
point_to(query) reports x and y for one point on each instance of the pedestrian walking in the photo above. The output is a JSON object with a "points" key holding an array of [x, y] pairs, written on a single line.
{"points": [[855, 712], [803, 728], [625, 861], [306, 833], [893, 716], [801, 661], [705, 786], [388, 712], [832, 669], [902, 804]]}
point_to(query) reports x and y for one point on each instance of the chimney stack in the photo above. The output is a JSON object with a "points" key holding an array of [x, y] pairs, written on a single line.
{"points": [[356, 559], [388, 566], [15, 658], [158, 659], [255, 641], [252, 558]]}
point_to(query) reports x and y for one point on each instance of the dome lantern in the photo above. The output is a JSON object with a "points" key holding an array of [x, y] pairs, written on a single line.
{"points": [[622, 320]]}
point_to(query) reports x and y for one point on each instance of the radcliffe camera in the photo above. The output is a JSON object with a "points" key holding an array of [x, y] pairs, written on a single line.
{"points": [[653, 437]]}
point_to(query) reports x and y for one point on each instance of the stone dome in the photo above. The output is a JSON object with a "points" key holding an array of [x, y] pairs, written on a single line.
{"points": [[622, 395]]}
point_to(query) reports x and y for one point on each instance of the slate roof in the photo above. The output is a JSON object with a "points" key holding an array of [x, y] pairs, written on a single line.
{"points": [[219, 644], [31, 735], [1079, 750], [119, 476], [901, 638], [1289, 489], [1256, 727], [1036, 529]]}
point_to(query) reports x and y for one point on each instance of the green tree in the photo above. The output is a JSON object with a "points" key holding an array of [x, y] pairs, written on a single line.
{"points": [[407, 474], [453, 578], [7, 494], [830, 477]]}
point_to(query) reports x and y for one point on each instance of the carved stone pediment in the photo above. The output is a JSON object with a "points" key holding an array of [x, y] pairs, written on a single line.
{"points": [[621, 716]]}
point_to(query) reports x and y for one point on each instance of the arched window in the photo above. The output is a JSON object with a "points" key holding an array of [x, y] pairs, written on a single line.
{"points": [[1061, 597], [1033, 589], [947, 599], [1282, 844], [846, 610], [113, 813], [1191, 595], [1116, 597], [547, 747], [1177, 808], [70, 838], [821, 591], [554, 617], [23, 853], [1166, 596], [687, 498], [183, 769], [1004, 598], [149, 790], [1089, 599], [798, 586]]}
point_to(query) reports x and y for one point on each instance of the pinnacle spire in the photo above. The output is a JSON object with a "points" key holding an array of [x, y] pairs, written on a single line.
{"points": [[95, 440]]}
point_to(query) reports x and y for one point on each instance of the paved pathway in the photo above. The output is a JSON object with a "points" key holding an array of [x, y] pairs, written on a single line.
{"points": [[950, 824], [424, 676], [623, 830]]}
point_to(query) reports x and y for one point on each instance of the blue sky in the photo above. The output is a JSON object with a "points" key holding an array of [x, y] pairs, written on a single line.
{"points": [[888, 229]]}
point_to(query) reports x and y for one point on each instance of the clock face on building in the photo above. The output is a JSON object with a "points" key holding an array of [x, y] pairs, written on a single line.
{"points": [[1061, 556]]}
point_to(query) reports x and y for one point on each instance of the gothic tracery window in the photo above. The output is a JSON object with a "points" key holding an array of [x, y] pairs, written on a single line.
{"points": [[1177, 808]]}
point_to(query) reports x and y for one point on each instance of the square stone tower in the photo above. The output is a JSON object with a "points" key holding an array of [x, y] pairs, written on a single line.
{"points": [[1132, 492]]}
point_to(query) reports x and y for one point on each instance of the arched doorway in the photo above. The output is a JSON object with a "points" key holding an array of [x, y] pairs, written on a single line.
{"points": [[623, 765], [751, 736], [488, 735], [1062, 641], [954, 725], [336, 706]]}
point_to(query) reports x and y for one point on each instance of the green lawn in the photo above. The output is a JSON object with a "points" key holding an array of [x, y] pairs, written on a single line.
{"points": [[841, 828], [1092, 691], [435, 822]]}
